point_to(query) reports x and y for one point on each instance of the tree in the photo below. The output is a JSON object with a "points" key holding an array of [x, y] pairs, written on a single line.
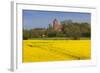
{"points": [[75, 31], [85, 29], [50, 26], [60, 34], [37, 32], [72, 30], [51, 33], [26, 34]]}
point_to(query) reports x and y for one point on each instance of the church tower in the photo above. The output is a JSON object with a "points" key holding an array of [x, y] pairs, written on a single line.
{"points": [[57, 25]]}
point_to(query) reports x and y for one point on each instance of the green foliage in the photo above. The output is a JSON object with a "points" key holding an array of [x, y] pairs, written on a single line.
{"points": [[50, 26], [76, 30], [50, 33], [60, 34], [37, 33], [26, 34], [69, 29]]}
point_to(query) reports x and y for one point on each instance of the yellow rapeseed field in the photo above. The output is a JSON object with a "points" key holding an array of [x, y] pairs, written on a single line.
{"points": [[56, 50]]}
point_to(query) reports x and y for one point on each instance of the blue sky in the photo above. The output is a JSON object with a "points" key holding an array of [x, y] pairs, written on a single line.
{"points": [[41, 19]]}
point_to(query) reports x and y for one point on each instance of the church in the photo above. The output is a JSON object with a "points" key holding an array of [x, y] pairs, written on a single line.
{"points": [[57, 25]]}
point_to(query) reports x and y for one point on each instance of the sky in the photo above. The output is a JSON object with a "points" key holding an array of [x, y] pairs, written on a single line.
{"points": [[41, 19]]}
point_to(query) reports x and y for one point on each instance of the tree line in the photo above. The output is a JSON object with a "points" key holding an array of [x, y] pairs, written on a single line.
{"points": [[70, 30]]}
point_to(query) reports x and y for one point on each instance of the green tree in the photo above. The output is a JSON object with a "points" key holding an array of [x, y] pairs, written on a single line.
{"points": [[85, 29], [37, 33], [50, 26], [26, 34]]}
